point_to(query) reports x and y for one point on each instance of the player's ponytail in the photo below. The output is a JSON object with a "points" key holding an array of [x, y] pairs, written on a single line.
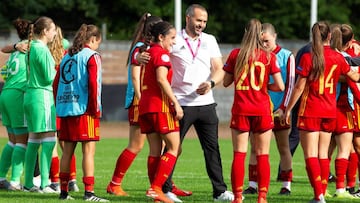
{"points": [[30, 37], [82, 36], [320, 33], [146, 34], [250, 42]]}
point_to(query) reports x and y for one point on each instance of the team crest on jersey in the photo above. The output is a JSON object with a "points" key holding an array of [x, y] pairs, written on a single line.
{"points": [[165, 58], [67, 76]]}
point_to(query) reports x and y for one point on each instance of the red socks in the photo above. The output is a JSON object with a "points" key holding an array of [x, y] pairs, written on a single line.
{"points": [[340, 170], [54, 169], [351, 170], [122, 165], [165, 167], [73, 168], [314, 173], [64, 180], [263, 174], [152, 165], [325, 171], [286, 175], [238, 173], [252, 172], [89, 182]]}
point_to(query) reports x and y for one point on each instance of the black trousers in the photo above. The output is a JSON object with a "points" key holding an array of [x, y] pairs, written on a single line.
{"points": [[205, 121]]}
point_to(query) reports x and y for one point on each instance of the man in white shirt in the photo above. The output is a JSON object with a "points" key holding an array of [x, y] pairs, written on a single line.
{"points": [[197, 68]]}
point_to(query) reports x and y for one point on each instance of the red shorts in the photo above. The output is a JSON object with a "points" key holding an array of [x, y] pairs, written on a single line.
{"points": [[133, 115], [252, 123], [316, 124], [162, 123], [280, 124], [344, 121], [80, 128]]}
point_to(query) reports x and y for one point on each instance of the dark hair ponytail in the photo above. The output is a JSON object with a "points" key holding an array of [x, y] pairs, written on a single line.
{"points": [[82, 36], [146, 34], [22, 28], [320, 32]]}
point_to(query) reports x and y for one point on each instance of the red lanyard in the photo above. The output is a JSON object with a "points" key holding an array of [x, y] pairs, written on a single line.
{"points": [[194, 54]]}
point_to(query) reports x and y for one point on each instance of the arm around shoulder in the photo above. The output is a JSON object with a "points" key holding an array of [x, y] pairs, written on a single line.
{"points": [[353, 75]]}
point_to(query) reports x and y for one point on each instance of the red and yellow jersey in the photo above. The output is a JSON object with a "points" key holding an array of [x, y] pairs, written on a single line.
{"points": [[251, 93], [153, 99], [319, 97]]}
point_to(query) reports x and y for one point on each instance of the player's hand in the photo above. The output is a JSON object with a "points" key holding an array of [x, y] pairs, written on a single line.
{"points": [[179, 112], [22, 47], [143, 58], [287, 115], [204, 88]]}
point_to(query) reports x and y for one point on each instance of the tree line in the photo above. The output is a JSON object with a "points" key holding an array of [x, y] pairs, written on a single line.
{"points": [[227, 18]]}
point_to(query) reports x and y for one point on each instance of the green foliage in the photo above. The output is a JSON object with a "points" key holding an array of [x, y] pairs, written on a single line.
{"points": [[122, 16], [227, 19]]}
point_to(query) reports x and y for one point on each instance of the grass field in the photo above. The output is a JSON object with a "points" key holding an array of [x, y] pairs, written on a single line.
{"points": [[190, 174]]}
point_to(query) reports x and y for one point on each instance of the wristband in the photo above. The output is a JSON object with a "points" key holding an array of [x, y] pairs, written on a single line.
{"points": [[212, 83]]}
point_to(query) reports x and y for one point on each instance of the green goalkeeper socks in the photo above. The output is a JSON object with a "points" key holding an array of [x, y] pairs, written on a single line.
{"points": [[45, 161], [30, 161], [17, 165], [5, 160]]}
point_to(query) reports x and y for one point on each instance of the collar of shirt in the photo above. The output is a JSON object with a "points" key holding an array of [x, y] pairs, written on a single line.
{"points": [[187, 37]]}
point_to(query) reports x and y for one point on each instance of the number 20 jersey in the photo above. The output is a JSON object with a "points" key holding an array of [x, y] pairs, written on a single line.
{"points": [[251, 93]]}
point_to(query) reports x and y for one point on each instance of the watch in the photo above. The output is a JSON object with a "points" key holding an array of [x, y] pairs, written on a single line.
{"points": [[212, 83]]}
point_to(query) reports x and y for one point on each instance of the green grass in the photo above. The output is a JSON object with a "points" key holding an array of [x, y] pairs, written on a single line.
{"points": [[190, 174]]}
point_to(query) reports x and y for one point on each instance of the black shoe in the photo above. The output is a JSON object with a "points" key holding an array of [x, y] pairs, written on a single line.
{"points": [[65, 196], [250, 191], [332, 178], [91, 197], [351, 190], [284, 191], [356, 193]]}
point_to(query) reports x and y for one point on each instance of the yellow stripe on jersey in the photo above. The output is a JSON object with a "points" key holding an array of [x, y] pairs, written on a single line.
{"points": [[91, 132], [271, 106], [303, 101], [165, 103], [357, 107], [170, 120], [136, 113], [350, 120]]}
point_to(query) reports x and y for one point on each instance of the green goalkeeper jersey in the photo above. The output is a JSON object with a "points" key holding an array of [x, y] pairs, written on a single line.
{"points": [[41, 67], [15, 71]]}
